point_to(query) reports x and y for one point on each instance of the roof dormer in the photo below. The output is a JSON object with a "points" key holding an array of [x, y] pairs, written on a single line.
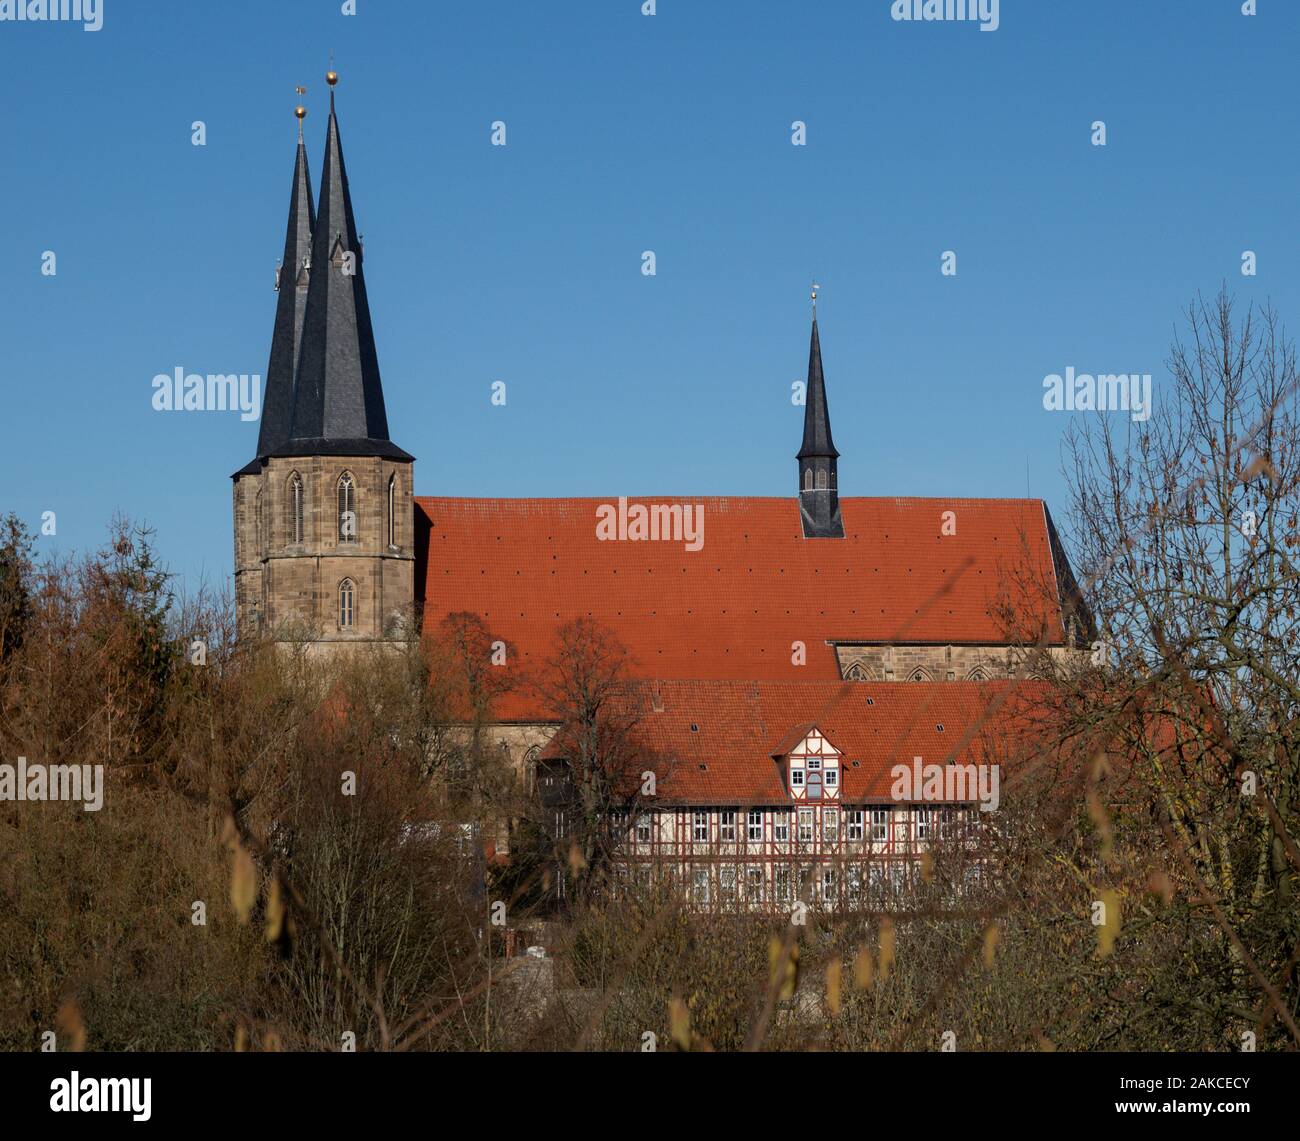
{"points": [[811, 765]]}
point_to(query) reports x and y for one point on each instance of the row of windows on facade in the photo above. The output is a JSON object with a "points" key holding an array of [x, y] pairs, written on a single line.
{"points": [[295, 501], [755, 885], [878, 825], [808, 480]]}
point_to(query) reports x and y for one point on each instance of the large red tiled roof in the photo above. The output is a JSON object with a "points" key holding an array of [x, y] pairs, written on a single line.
{"points": [[734, 608], [713, 741]]}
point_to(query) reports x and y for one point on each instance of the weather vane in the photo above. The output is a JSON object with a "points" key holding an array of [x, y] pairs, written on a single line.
{"points": [[300, 111], [815, 287]]}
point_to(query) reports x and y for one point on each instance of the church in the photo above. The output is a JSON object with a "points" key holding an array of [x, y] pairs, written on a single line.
{"points": [[801, 649]]}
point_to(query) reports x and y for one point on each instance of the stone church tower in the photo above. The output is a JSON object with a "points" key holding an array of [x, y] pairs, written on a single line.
{"points": [[324, 518]]}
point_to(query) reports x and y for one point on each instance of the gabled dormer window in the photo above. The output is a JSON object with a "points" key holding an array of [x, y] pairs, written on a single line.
{"points": [[812, 765]]}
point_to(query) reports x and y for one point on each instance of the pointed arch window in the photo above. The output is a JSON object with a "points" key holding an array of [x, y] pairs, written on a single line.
{"points": [[347, 508], [807, 479], [821, 480], [260, 520], [347, 603], [295, 506], [392, 511]]}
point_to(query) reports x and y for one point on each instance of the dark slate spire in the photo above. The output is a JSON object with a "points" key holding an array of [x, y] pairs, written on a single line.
{"points": [[338, 398], [819, 498], [816, 416], [294, 273]]}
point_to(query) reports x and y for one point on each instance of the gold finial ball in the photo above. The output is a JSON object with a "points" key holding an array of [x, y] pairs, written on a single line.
{"points": [[332, 78], [300, 113]]}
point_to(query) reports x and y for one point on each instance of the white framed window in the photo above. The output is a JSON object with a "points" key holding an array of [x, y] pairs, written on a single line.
{"points": [[347, 602], [831, 825], [830, 885], [854, 877], [700, 828], [853, 824], [755, 825], [783, 883], [727, 825], [754, 884], [809, 885], [924, 817], [814, 763], [832, 776], [644, 828], [781, 826], [876, 879], [898, 877], [796, 778], [879, 825], [700, 885], [727, 883], [805, 825]]}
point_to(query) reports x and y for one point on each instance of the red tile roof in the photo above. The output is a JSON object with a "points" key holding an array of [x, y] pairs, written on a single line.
{"points": [[734, 608], [714, 741]]}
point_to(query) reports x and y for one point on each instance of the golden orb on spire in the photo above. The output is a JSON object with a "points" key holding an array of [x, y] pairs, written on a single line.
{"points": [[332, 78]]}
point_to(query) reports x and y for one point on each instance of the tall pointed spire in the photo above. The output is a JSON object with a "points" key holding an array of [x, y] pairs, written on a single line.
{"points": [[338, 404], [819, 498], [291, 283]]}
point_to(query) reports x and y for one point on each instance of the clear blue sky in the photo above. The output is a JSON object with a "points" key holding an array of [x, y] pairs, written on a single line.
{"points": [[628, 133]]}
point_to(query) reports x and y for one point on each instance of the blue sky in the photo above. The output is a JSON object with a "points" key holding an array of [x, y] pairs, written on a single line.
{"points": [[627, 133]]}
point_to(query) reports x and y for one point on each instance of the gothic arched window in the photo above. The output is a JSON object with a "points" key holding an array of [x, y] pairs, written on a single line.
{"points": [[821, 480], [347, 602], [979, 673], [295, 505], [347, 508], [807, 480], [920, 674], [392, 511], [260, 518]]}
